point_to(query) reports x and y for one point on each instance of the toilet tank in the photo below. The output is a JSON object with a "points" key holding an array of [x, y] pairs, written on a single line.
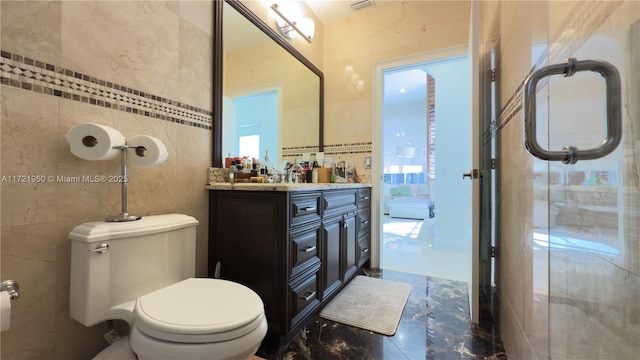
{"points": [[142, 256]]}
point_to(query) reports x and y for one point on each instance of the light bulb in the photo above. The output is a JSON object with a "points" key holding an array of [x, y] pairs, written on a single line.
{"points": [[307, 26]]}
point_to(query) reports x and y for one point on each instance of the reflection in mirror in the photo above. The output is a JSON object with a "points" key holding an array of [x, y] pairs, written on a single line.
{"points": [[270, 100]]}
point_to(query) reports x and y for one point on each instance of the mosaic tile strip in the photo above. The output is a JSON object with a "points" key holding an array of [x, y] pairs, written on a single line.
{"points": [[353, 148], [33, 75], [298, 151], [586, 18], [334, 149]]}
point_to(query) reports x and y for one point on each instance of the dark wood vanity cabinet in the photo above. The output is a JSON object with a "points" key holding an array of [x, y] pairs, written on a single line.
{"points": [[296, 249]]}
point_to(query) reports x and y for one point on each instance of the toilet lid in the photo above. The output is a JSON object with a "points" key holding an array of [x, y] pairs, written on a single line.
{"points": [[199, 310]]}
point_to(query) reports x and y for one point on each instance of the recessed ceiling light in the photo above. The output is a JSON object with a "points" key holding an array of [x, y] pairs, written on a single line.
{"points": [[402, 90]]}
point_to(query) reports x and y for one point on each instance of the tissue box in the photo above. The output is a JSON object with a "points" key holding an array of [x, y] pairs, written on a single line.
{"points": [[324, 175]]}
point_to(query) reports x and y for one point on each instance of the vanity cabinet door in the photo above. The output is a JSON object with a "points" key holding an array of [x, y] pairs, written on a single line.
{"points": [[332, 278], [349, 242], [340, 252], [247, 237]]}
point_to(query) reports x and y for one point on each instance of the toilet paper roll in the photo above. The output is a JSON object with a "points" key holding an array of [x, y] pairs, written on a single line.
{"points": [[94, 141], [5, 311], [154, 152]]}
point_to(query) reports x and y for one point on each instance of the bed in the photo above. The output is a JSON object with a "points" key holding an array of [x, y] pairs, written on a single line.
{"points": [[408, 201]]}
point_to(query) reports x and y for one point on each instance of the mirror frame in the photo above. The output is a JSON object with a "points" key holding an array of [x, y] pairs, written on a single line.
{"points": [[218, 55]]}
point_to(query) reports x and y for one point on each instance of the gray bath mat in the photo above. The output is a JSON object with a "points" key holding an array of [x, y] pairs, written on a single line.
{"points": [[369, 303]]}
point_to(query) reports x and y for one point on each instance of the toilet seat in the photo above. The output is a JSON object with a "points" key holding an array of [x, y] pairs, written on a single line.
{"points": [[199, 310]]}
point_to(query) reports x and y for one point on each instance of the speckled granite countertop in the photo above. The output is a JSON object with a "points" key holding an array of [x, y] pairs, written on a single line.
{"points": [[282, 186]]}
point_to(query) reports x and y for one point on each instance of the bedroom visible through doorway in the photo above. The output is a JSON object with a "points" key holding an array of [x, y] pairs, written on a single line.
{"points": [[426, 206]]}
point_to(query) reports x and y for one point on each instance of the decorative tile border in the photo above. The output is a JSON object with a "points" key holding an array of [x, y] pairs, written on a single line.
{"points": [[344, 149], [33, 75], [586, 18], [298, 151], [334, 149]]}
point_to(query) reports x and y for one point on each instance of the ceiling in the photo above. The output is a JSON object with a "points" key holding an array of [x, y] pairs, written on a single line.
{"points": [[330, 11]]}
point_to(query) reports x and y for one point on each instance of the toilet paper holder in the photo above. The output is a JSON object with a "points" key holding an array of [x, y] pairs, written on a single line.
{"points": [[12, 287], [124, 216]]}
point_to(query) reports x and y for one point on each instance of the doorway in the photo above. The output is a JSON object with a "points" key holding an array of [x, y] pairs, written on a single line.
{"points": [[253, 116], [425, 142]]}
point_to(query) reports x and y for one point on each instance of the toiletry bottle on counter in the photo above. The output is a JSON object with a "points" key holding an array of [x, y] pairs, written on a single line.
{"points": [[314, 172], [228, 161]]}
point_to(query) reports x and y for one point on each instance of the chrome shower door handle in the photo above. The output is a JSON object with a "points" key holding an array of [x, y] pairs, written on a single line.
{"points": [[571, 154]]}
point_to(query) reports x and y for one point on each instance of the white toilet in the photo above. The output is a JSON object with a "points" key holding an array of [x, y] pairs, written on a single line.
{"points": [[142, 272]]}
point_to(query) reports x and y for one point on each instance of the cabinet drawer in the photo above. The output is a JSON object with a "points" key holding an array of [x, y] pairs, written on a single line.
{"points": [[364, 198], [304, 297], [364, 221], [364, 248], [304, 249], [339, 202], [305, 208]]}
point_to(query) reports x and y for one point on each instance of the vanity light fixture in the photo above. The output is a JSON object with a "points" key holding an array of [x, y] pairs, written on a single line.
{"points": [[305, 27]]}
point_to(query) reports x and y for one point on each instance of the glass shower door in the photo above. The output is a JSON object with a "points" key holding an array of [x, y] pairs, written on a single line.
{"points": [[593, 205]]}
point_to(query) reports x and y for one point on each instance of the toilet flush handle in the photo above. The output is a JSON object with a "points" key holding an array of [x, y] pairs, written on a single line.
{"points": [[100, 249]]}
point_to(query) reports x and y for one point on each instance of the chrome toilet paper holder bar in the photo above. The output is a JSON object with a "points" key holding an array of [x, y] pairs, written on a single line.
{"points": [[124, 216], [12, 287]]}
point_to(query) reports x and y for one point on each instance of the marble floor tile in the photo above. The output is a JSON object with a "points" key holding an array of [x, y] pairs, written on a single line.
{"points": [[434, 325]]}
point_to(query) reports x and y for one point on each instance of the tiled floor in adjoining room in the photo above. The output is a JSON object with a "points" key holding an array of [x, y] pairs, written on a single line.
{"points": [[435, 325], [413, 246]]}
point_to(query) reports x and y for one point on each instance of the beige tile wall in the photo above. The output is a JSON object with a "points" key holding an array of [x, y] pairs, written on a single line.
{"points": [[161, 48], [375, 34]]}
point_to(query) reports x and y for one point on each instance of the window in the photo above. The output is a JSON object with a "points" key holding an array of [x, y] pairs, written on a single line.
{"points": [[249, 145]]}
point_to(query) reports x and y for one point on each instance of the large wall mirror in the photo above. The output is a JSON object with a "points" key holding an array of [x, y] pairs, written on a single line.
{"points": [[270, 97]]}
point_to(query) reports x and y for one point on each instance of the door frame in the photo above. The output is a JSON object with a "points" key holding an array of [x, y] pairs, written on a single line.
{"points": [[377, 155], [476, 151]]}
